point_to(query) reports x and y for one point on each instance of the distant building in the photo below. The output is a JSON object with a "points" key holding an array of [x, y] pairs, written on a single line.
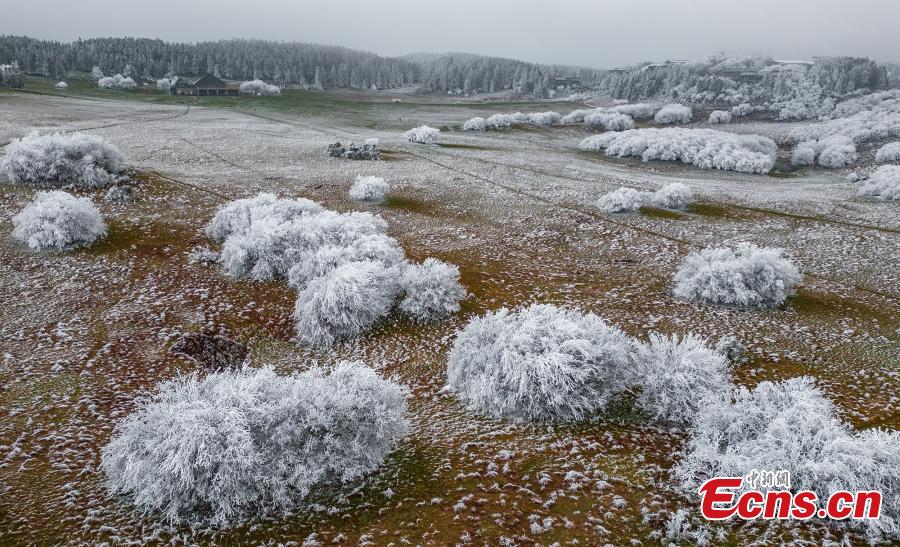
{"points": [[668, 63], [784, 62], [204, 86]]}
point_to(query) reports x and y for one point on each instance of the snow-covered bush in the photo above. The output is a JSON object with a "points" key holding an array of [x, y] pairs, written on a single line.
{"points": [[610, 121], [259, 87], [677, 375], [119, 194], [791, 426], [889, 153], [542, 118], [804, 154], [83, 161], [837, 151], [61, 85], [743, 109], [673, 113], [474, 124], [499, 121], [320, 261], [622, 200], [345, 302], [422, 134], [638, 111], [719, 117], [373, 189], [431, 290], [704, 148], [672, 196], [116, 82], [238, 216], [577, 116], [540, 363], [747, 276], [58, 221], [235, 444], [164, 84], [883, 184]]}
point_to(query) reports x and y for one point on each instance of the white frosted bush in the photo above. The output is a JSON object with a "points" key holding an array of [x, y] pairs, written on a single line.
{"points": [[499, 121], [542, 118], [61, 85], [610, 121], [422, 134], [577, 116], [344, 303], [638, 111], [803, 154], [747, 276], [259, 87], [540, 363], [83, 161], [431, 290], [704, 148], [320, 261], [622, 200], [791, 426], [233, 445], [673, 114], [837, 151], [474, 124], [164, 84], [719, 117], [743, 109], [883, 184], [672, 196], [58, 221], [676, 375], [237, 217], [889, 153], [116, 82], [373, 189]]}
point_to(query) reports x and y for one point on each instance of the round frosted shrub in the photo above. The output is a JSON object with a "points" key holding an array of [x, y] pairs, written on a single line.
{"points": [[622, 200], [62, 85], [58, 221], [474, 124], [638, 111], [837, 151], [431, 290], [499, 121], [84, 161], [344, 303], [676, 375], [233, 445], [236, 217], [164, 84], [540, 363], [719, 117], [673, 196], [610, 121], [320, 261], [116, 82], [889, 153], [372, 189], [747, 276], [542, 119], [422, 134], [883, 184], [673, 113], [803, 154], [259, 87]]}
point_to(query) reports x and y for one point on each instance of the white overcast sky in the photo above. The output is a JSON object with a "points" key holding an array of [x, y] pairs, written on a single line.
{"points": [[598, 33]]}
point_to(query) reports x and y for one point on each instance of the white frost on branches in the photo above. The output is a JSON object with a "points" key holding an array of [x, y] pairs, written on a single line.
{"points": [[747, 276], [116, 82], [230, 445], [259, 87], [431, 290], [237, 217], [164, 84], [84, 161], [610, 121], [540, 363], [834, 152], [622, 200], [372, 189], [422, 134], [719, 117], [61, 85], [674, 113], [637, 111], [883, 184], [58, 221], [704, 148], [889, 153], [672, 196], [475, 124], [320, 261]]}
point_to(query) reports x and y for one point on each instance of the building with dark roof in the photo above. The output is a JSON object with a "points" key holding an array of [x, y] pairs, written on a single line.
{"points": [[204, 86]]}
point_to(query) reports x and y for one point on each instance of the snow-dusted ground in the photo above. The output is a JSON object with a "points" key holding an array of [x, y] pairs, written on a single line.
{"points": [[84, 333]]}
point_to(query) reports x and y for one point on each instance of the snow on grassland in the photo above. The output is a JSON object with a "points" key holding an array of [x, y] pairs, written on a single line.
{"points": [[747, 276], [259, 87], [116, 82], [235, 444], [705, 148], [673, 114], [371, 189], [791, 426], [58, 221], [422, 134], [85, 161], [883, 184], [623, 199]]}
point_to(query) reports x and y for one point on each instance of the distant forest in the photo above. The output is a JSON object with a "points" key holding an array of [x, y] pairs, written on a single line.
{"points": [[284, 63]]}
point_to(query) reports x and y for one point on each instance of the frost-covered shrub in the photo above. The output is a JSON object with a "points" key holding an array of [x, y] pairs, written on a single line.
{"points": [[236, 444], [372, 189], [344, 303], [164, 84], [61, 85], [638, 111], [431, 290], [320, 261], [889, 153], [704, 148], [610, 121], [622, 200], [676, 375], [672, 196], [237, 217], [803, 154], [747, 276], [116, 82], [836, 151], [673, 113], [83, 161], [474, 124], [577, 116], [791, 426], [499, 121], [883, 184], [119, 194], [743, 109], [58, 221], [719, 117], [259, 87], [542, 118], [422, 134], [540, 363]]}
